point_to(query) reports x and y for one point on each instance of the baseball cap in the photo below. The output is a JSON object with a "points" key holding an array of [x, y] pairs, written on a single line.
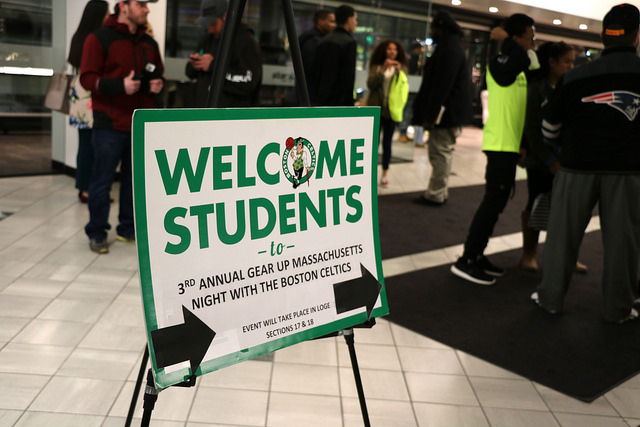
{"points": [[621, 20], [210, 10]]}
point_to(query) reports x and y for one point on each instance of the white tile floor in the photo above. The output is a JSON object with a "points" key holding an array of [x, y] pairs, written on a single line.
{"points": [[72, 336]]}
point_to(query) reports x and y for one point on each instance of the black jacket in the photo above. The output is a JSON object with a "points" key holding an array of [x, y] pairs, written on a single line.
{"points": [[539, 155], [445, 81], [308, 46], [592, 116], [335, 69], [243, 76], [509, 63]]}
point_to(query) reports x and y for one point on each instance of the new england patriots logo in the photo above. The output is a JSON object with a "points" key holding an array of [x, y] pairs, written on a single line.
{"points": [[628, 103]]}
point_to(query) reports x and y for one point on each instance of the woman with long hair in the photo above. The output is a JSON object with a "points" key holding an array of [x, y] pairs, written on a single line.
{"points": [[94, 14], [541, 162], [389, 89]]}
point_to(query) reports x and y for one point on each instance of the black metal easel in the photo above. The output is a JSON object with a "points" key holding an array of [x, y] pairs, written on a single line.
{"points": [[151, 392], [233, 18]]}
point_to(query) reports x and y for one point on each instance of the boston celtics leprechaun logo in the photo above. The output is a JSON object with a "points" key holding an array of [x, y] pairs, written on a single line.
{"points": [[298, 161]]}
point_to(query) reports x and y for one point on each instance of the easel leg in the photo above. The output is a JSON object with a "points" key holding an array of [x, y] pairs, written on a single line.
{"points": [[349, 338], [150, 397], [150, 392], [136, 391]]}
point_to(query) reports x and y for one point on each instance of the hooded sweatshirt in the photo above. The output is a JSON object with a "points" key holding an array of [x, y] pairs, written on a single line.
{"points": [[108, 56]]}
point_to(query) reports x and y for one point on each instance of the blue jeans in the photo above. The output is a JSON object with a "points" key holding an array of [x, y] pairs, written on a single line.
{"points": [[110, 147]]}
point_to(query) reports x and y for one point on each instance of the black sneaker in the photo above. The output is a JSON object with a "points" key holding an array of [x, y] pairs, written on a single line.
{"points": [[472, 271], [99, 246], [490, 268]]}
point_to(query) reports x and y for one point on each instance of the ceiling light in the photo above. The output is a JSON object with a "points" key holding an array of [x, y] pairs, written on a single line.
{"points": [[456, 2], [583, 26], [493, 9], [557, 22]]}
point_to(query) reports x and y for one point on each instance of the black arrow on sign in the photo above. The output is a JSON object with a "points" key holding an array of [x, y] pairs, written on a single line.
{"points": [[357, 292], [187, 341]]}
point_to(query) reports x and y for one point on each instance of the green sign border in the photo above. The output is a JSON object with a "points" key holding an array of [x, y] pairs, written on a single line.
{"points": [[140, 119]]}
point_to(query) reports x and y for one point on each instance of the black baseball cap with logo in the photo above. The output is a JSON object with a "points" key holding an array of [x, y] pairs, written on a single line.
{"points": [[621, 20]]}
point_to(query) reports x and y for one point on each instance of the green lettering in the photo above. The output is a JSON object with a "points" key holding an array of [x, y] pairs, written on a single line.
{"points": [[201, 212], [266, 177], [335, 195], [220, 167], [355, 204], [177, 230], [221, 220], [243, 180], [356, 156], [325, 157], [183, 166], [254, 206], [286, 213], [307, 207]]}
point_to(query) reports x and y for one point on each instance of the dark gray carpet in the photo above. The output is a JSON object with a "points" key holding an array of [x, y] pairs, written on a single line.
{"points": [[575, 353]]}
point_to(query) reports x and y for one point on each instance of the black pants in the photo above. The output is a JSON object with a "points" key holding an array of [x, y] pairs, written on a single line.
{"points": [[500, 176], [538, 182]]}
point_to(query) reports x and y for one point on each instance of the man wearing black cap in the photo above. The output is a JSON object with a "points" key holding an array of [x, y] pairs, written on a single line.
{"points": [[122, 67], [243, 75], [592, 118], [443, 104]]}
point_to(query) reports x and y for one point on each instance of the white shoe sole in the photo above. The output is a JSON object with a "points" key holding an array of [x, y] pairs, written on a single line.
{"points": [[470, 278], [494, 274]]}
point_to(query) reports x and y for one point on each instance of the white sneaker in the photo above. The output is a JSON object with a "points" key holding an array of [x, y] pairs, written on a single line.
{"points": [[536, 299], [633, 315]]}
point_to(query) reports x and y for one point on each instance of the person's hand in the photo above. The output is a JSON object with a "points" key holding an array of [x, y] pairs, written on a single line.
{"points": [[131, 86], [391, 63], [522, 156], [156, 85], [201, 62], [498, 34], [553, 167]]}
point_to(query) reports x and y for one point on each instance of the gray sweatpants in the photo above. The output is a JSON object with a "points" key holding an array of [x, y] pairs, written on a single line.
{"points": [[573, 199]]}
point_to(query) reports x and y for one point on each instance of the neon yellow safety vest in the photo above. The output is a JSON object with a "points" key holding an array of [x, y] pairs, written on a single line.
{"points": [[507, 109], [398, 95]]}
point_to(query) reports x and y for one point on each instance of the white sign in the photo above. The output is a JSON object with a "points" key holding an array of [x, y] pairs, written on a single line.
{"points": [[256, 229]]}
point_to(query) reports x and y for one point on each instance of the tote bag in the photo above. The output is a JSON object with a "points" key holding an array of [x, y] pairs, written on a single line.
{"points": [[57, 97], [80, 113]]}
